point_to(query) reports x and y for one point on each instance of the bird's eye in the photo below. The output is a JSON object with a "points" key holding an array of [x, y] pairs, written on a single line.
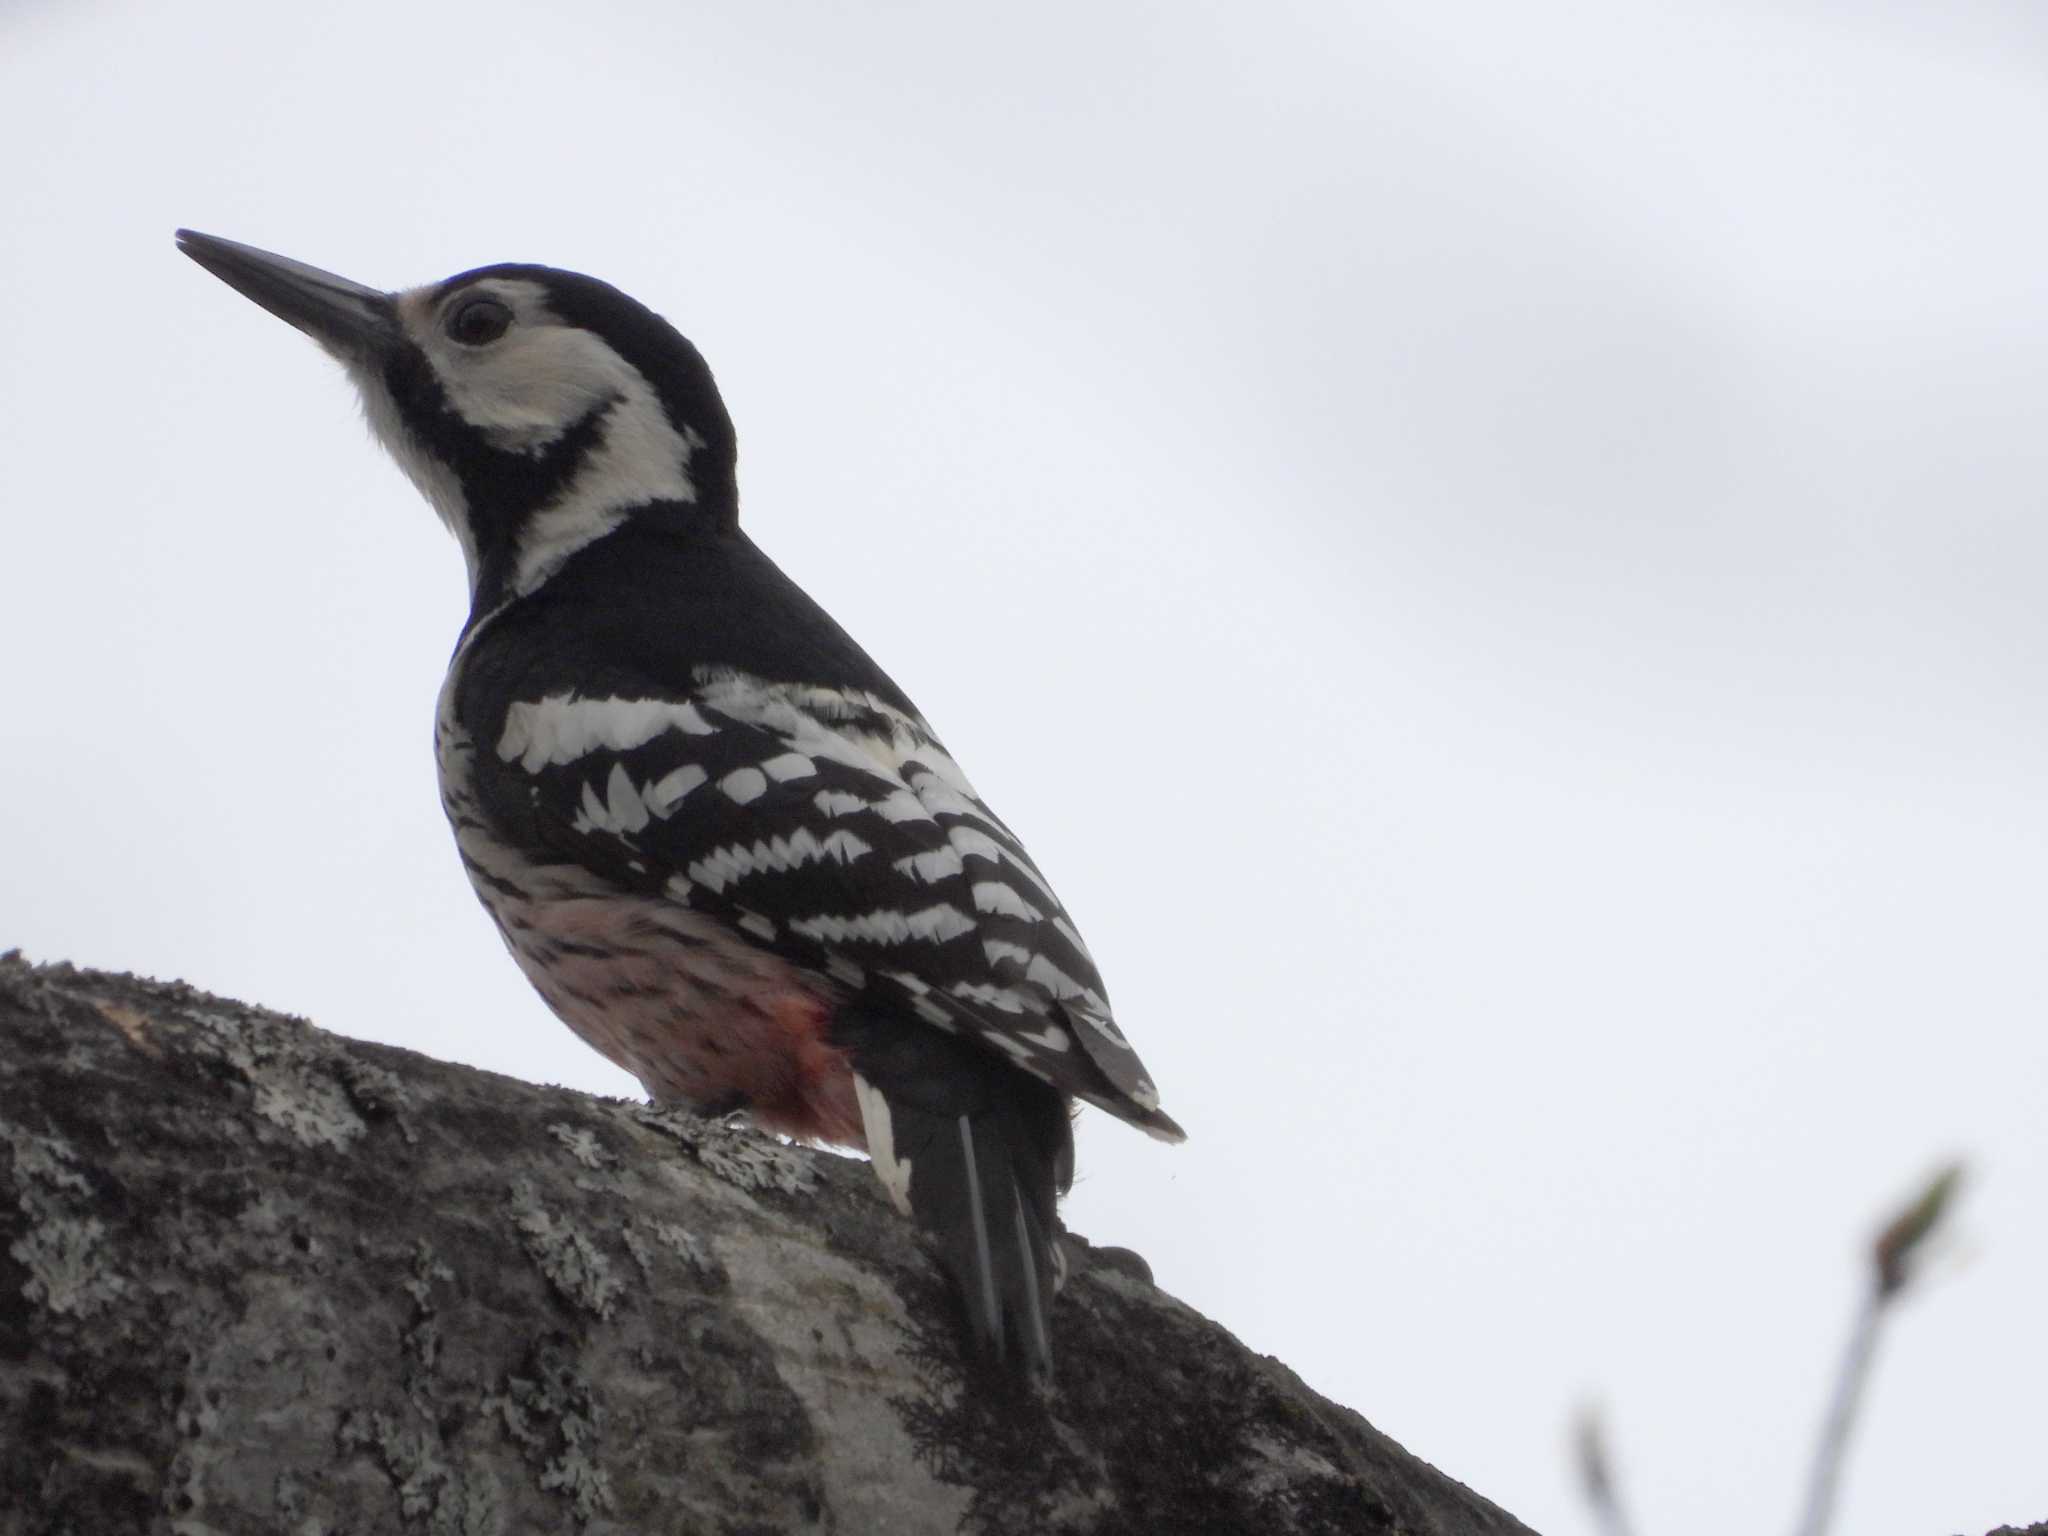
{"points": [[479, 321]]}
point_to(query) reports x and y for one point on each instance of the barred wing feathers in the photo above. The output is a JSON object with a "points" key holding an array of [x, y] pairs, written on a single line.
{"points": [[833, 827]]}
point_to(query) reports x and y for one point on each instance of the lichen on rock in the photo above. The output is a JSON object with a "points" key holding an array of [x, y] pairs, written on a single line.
{"points": [[255, 1277]]}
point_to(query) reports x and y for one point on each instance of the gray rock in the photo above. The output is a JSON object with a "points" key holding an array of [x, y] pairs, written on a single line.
{"points": [[255, 1277]]}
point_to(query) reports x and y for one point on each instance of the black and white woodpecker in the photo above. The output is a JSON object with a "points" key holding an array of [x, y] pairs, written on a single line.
{"points": [[723, 845]]}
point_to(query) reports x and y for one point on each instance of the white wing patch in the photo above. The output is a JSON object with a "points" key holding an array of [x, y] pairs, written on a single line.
{"points": [[996, 897], [666, 793], [624, 809], [722, 867], [1051, 1038], [743, 785], [1061, 985], [620, 810], [622, 802], [976, 844], [561, 728], [941, 795], [987, 995], [936, 923], [928, 1008], [802, 716], [852, 728], [939, 864], [899, 805]]}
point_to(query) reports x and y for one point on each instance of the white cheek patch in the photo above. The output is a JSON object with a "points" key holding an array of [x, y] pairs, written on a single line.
{"points": [[526, 389], [523, 393], [639, 458]]}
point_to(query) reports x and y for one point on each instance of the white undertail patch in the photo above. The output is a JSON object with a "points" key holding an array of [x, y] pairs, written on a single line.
{"points": [[893, 1171]]}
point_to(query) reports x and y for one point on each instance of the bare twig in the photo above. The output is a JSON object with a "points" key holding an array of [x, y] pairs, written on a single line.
{"points": [[1891, 1256], [1596, 1473]]}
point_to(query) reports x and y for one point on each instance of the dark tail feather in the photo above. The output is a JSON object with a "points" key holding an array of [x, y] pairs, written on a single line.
{"points": [[982, 1152], [988, 1199], [1039, 1266]]}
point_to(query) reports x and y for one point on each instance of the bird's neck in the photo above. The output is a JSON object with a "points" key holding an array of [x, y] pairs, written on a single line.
{"points": [[517, 563], [526, 507]]}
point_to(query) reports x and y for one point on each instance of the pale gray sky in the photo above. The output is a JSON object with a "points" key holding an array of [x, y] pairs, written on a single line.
{"points": [[1494, 553]]}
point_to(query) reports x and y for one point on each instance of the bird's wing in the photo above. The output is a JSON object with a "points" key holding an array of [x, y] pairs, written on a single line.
{"points": [[834, 828]]}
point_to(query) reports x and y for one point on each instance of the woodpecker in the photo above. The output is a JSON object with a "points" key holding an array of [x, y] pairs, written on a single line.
{"points": [[721, 843]]}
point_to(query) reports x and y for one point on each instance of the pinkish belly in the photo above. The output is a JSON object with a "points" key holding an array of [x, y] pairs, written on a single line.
{"points": [[684, 1003]]}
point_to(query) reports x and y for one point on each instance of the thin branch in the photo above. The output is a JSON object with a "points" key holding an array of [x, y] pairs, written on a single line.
{"points": [[1848, 1395], [1596, 1474], [1891, 1265]]}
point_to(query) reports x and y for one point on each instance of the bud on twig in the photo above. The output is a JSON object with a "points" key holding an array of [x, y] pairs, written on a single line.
{"points": [[1911, 1227]]}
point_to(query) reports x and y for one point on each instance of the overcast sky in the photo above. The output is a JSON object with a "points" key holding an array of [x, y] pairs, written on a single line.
{"points": [[1493, 552]]}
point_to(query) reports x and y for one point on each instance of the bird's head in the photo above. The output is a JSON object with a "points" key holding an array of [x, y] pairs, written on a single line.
{"points": [[535, 409]]}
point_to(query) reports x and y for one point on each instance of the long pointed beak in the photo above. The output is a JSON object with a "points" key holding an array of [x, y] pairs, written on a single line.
{"points": [[349, 320]]}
